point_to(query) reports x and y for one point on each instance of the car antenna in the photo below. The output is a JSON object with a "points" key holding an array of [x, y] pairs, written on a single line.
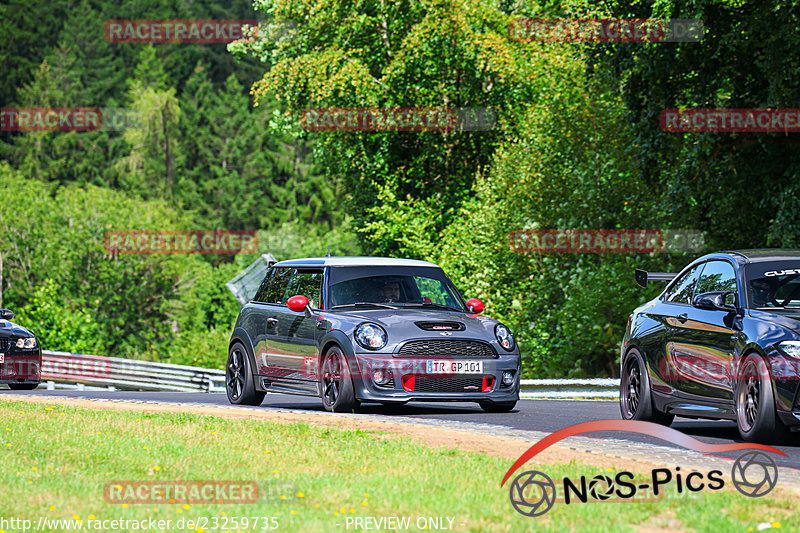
{"points": [[329, 251]]}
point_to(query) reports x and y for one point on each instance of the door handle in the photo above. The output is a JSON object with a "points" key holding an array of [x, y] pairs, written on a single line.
{"points": [[272, 322], [683, 317]]}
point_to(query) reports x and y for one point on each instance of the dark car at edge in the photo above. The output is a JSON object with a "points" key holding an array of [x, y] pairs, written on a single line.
{"points": [[721, 341], [20, 355]]}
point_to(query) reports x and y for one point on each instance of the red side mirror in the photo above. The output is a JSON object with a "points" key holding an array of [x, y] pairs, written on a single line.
{"points": [[297, 303], [475, 306]]}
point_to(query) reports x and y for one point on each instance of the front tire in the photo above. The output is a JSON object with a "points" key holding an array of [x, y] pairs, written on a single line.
{"points": [[497, 407], [635, 397], [755, 403], [335, 384], [22, 386], [239, 382]]}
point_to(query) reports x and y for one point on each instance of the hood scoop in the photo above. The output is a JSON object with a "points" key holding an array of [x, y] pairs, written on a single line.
{"points": [[441, 326]]}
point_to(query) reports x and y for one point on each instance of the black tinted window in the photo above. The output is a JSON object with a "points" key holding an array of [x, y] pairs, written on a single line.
{"points": [[274, 286], [775, 284], [718, 276], [307, 283], [681, 289]]}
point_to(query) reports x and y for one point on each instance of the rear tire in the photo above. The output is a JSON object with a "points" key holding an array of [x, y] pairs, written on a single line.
{"points": [[497, 407], [22, 386], [335, 383], [239, 381], [635, 397], [755, 404]]}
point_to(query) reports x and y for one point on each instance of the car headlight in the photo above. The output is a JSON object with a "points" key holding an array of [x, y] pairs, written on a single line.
{"points": [[504, 337], [371, 336], [790, 348], [26, 343]]}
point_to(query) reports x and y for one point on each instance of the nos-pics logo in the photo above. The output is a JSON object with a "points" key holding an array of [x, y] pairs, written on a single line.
{"points": [[533, 493]]}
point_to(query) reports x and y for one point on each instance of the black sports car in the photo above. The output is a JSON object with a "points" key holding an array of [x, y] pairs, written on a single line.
{"points": [[721, 341], [20, 355]]}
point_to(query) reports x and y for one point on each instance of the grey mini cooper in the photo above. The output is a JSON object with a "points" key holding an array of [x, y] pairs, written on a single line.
{"points": [[353, 329]]}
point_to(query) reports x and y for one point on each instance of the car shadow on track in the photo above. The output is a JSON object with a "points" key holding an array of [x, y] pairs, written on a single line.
{"points": [[718, 429], [724, 430], [390, 410]]}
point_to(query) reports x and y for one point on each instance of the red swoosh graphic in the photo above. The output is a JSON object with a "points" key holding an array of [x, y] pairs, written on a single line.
{"points": [[633, 426]]}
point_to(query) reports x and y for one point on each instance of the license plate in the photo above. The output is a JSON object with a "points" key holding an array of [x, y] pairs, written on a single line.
{"points": [[454, 367]]}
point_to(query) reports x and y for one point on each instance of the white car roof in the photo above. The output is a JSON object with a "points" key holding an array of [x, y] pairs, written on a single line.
{"points": [[354, 261]]}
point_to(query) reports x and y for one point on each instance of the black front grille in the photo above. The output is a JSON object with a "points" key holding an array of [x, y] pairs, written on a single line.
{"points": [[455, 384], [3, 345], [446, 349]]}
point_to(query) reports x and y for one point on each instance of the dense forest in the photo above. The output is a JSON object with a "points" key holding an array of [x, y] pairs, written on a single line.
{"points": [[218, 144]]}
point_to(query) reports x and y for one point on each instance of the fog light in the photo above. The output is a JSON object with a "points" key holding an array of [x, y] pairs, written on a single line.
{"points": [[381, 377], [508, 378]]}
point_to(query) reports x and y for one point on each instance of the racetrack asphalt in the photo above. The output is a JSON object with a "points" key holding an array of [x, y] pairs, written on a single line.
{"points": [[529, 415]]}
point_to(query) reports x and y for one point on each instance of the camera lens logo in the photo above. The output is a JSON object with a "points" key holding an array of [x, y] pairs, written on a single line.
{"points": [[754, 474], [532, 493], [601, 488]]}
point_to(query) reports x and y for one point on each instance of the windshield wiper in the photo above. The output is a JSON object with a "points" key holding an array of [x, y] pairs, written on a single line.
{"points": [[364, 304], [438, 306]]}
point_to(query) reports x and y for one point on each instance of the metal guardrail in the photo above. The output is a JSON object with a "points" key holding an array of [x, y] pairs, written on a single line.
{"points": [[78, 371], [63, 370], [569, 388]]}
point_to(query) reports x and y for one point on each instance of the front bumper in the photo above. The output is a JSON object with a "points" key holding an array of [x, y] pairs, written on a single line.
{"points": [[435, 387], [24, 367]]}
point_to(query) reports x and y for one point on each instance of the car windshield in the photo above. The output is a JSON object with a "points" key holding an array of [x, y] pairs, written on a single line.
{"points": [[774, 285], [393, 286]]}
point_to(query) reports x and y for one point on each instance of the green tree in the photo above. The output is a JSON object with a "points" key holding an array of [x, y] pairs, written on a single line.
{"points": [[740, 188], [434, 53], [150, 168]]}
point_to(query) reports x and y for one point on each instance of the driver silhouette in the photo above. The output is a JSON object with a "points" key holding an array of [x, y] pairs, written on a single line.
{"points": [[391, 291]]}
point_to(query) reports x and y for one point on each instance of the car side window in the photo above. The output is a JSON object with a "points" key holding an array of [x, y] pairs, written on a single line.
{"points": [[681, 289], [718, 276], [307, 283], [262, 289], [274, 286]]}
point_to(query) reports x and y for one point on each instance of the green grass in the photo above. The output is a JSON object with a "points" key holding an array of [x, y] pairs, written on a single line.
{"points": [[56, 461]]}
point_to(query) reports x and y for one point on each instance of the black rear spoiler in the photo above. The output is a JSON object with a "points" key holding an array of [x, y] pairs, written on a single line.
{"points": [[643, 276]]}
